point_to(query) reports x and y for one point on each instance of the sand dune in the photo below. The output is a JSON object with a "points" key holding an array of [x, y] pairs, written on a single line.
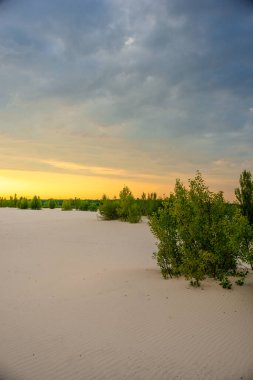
{"points": [[83, 299]]}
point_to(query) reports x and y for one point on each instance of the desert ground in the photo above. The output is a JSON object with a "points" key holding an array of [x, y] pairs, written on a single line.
{"points": [[82, 298]]}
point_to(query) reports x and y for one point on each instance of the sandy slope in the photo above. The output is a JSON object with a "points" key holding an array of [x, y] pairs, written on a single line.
{"points": [[82, 299]]}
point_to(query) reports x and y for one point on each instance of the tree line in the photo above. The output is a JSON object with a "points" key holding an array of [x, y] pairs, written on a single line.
{"points": [[37, 204]]}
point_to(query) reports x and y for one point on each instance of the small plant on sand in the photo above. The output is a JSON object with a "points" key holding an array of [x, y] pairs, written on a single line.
{"points": [[225, 283], [239, 282], [241, 277]]}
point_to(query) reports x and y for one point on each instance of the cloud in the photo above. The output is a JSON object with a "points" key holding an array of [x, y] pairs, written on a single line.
{"points": [[130, 41]]}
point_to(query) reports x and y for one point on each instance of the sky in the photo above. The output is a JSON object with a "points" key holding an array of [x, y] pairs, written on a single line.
{"points": [[98, 94]]}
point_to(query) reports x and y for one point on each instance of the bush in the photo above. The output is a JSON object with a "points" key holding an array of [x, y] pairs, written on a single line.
{"points": [[108, 209], [126, 200], [83, 206], [93, 206], [198, 235], [67, 205], [36, 203], [128, 209], [51, 203], [134, 213], [23, 203], [149, 204], [88, 206], [240, 281], [225, 283]]}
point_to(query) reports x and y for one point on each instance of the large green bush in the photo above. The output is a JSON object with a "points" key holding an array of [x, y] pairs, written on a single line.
{"points": [[197, 233]]}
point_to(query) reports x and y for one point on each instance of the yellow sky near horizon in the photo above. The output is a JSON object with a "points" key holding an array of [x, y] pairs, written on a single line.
{"points": [[92, 185], [64, 186]]}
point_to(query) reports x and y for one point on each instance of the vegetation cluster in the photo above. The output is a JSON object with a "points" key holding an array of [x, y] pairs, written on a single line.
{"points": [[79, 204], [127, 208], [23, 203], [200, 235], [37, 204]]}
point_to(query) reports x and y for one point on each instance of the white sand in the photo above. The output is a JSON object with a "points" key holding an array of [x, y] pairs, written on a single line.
{"points": [[82, 299]]}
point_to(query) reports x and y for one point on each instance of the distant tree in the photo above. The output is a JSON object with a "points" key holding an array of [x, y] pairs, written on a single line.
{"points": [[108, 209], [13, 201], [126, 199], [76, 203], [36, 203], [128, 209], [244, 195], [67, 205], [51, 203], [23, 203], [84, 206], [4, 202], [93, 205]]}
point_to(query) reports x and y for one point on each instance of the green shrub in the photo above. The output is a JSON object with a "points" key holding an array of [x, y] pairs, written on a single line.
{"points": [[128, 208], [4, 202], [84, 206], [149, 204], [242, 275], [134, 213], [225, 283], [92, 206], [198, 234], [126, 200], [67, 205], [23, 203], [108, 209], [51, 203], [36, 203], [240, 281]]}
